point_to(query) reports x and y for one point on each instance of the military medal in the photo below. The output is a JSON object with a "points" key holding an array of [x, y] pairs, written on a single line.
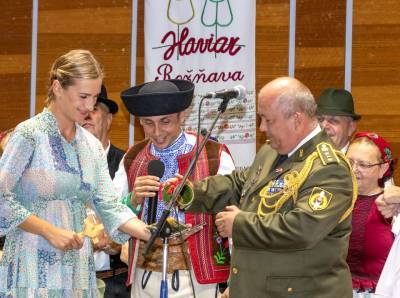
{"points": [[275, 186]]}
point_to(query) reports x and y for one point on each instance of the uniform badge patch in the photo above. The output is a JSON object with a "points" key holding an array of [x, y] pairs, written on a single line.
{"points": [[319, 199]]}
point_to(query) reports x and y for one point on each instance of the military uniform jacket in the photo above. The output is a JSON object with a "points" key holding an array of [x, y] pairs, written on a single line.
{"points": [[300, 248]]}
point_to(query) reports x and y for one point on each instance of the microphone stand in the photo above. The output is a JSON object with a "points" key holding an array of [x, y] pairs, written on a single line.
{"points": [[162, 223]]}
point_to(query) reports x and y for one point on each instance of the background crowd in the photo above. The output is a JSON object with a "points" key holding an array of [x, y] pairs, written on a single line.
{"points": [[314, 215]]}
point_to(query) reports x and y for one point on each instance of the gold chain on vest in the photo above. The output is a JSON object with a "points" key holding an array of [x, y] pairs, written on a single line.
{"points": [[293, 181]]}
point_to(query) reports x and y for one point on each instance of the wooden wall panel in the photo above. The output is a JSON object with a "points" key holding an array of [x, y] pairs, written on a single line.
{"points": [[104, 28], [320, 43], [376, 67], [272, 45], [139, 135], [15, 61]]}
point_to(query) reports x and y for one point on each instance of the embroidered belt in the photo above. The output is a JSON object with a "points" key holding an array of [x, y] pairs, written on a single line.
{"points": [[111, 273], [153, 260]]}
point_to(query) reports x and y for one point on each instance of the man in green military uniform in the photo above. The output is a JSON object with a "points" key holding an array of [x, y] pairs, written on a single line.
{"points": [[291, 228]]}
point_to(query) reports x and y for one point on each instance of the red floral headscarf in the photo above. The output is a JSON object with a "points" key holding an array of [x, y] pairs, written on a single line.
{"points": [[384, 148]]}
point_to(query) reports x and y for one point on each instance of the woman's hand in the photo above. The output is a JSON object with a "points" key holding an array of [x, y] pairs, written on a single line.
{"points": [[58, 237], [391, 194], [124, 256], [387, 210], [136, 228], [63, 239], [107, 245]]}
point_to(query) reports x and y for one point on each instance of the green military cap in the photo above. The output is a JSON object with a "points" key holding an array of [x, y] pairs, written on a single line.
{"points": [[336, 102]]}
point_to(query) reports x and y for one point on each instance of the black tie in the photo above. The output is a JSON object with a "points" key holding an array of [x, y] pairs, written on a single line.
{"points": [[281, 159]]}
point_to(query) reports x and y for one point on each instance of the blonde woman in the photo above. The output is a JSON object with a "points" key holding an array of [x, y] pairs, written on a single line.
{"points": [[49, 170]]}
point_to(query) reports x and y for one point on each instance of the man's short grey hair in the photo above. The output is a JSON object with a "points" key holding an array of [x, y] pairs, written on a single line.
{"points": [[297, 99]]}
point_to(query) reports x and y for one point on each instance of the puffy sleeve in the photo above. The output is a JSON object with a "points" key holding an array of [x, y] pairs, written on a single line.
{"points": [[226, 165], [15, 160], [108, 205], [120, 180]]}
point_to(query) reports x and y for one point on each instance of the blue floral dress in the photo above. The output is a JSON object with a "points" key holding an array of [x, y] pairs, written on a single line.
{"points": [[42, 174]]}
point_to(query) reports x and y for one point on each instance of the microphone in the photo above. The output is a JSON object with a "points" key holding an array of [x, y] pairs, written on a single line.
{"points": [[238, 92], [154, 168], [203, 132]]}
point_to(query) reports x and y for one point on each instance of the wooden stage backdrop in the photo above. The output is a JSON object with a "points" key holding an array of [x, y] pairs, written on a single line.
{"points": [[104, 27]]}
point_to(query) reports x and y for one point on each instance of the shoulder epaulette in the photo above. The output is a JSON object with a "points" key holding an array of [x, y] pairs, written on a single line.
{"points": [[327, 154]]}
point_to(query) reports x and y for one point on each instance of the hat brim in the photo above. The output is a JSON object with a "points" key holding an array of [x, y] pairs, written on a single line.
{"points": [[333, 112], [111, 105], [158, 103]]}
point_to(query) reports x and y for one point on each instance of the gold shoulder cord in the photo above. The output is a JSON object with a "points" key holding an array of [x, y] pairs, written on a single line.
{"points": [[293, 181], [355, 187]]}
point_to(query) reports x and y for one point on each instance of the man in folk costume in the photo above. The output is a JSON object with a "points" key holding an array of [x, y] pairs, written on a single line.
{"points": [[161, 107]]}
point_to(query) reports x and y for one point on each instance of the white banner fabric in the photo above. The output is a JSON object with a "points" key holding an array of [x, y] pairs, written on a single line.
{"points": [[212, 44]]}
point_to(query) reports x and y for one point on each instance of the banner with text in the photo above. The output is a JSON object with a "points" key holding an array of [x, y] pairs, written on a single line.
{"points": [[212, 44]]}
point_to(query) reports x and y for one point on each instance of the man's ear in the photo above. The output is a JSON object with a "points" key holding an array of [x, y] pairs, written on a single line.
{"points": [[352, 127], [109, 121], [298, 119], [183, 115]]}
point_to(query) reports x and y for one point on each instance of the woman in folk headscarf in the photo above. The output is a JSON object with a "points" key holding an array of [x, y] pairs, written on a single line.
{"points": [[371, 238]]}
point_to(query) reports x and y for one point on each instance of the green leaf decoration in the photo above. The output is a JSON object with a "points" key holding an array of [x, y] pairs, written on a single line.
{"points": [[219, 258]]}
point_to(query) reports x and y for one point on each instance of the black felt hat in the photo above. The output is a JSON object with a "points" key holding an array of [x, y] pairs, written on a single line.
{"points": [[158, 98], [103, 98], [336, 102]]}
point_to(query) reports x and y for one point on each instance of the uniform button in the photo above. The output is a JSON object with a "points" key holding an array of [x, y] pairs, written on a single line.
{"points": [[290, 289], [234, 270]]}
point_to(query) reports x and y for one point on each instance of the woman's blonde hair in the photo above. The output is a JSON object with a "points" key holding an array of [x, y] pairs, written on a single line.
{"points": [[76, 64]]}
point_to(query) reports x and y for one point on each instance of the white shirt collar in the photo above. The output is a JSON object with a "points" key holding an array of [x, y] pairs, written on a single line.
{"points": [[312, 134], [345, 148], [107, 149]]}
